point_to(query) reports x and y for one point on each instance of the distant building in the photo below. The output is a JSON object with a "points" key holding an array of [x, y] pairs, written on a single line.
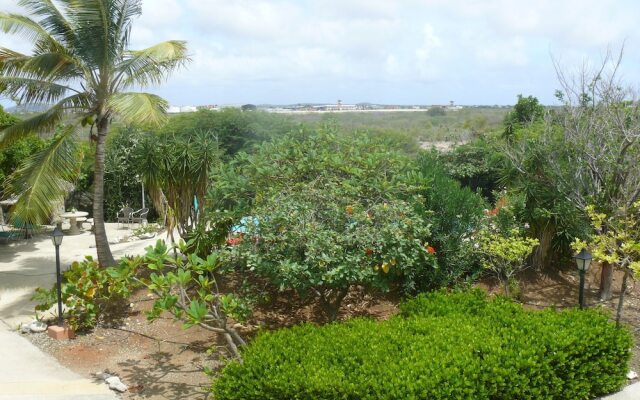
{"points": [[210, 107], [452, 106], [181, 109]]}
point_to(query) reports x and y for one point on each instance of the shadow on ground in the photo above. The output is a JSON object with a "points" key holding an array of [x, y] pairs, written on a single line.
{"points": [[152, 377]]}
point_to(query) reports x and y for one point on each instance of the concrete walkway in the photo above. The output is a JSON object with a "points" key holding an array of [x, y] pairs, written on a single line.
{"points": [[28, 373], [25, 371], [28, 264], [631, 392]]}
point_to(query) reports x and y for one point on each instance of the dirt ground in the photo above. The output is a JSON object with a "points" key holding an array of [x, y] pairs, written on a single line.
{"points": [[160, 360]]}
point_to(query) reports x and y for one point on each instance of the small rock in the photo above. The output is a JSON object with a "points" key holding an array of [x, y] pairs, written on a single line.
{"points": [[116, 384], [632, 375], [103, 376], [25, 328], [37, 326]]}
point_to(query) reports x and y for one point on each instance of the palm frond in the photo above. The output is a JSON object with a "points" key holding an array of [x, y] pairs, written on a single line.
{"points": [[33, 91], [44, 66], [43, 179], [126, 11], [52, 19], [45, 121], [102, 29], [23, 26], [153, 65], [139, 107]]}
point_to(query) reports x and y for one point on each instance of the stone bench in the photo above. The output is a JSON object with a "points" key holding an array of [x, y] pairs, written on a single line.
{"points": [[79, 221], [92, 226]]}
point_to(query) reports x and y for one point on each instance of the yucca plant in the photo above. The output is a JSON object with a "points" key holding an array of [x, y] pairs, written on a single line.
{"points": [[82, 68]]}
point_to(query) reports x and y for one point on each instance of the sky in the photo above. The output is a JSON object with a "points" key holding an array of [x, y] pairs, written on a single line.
{"points": [[380, 51]]}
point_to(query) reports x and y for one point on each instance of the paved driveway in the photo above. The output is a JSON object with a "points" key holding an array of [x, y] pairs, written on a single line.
{"points": [[26, 372]]}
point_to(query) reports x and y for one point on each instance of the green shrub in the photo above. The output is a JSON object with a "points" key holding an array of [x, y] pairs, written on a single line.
{"points": [[320, 242], [91, 293], [332, 211], [475, 165], [457, 346], [121, 186], [455, 214], [188, 289]]}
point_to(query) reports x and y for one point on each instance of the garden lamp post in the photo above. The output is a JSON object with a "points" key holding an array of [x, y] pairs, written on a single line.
{"points": [[56, 238], [583, 260]]}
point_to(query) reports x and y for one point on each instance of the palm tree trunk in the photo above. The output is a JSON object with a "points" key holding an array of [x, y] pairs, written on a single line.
{"points": [[105, 258]]}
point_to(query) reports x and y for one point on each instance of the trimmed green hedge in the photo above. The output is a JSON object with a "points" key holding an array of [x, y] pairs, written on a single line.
{"points": [[441, 346]]}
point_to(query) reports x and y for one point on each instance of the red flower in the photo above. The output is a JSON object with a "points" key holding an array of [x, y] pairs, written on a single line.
{"points": [[234, 241], [368, 252]]}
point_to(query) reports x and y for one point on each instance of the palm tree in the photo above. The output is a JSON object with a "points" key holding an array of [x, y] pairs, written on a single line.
{"points": [[82, 68]]}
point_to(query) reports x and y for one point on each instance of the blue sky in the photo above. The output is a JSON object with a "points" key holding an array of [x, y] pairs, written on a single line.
{"points": [[382, 51]]}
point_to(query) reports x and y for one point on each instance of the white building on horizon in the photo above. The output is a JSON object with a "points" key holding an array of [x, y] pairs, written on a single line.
{"points": [[181, 109]]}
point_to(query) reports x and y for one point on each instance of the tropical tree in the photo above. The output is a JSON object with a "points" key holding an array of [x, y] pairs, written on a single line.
{"points": [[81, 66], [600, 118], [616, 241], [526, 112], [175, 170]]}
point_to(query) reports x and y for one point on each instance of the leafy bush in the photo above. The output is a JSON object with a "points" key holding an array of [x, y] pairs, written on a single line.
{"points": [[502, 241], [209, 234], [321, 242], [526, 112], [457, 346], [361, 164], [121, 185], [91, 293], [475, 165], [188, 289], [553, 219], [234, 129], [330, 208], [455, 213]]}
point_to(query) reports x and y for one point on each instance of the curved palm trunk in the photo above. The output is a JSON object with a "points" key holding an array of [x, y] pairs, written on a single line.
{"points": [[105, 258]]}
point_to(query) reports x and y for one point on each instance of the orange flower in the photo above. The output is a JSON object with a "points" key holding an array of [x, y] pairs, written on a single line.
{"points": [[431, 250], [234, 241], [349, 210]]}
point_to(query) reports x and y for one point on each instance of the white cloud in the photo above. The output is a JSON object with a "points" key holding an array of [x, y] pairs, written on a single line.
{"points": [[503, 53], [461, 49], [426, 62]]}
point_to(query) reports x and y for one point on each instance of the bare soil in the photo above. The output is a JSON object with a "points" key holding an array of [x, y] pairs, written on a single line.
{"points": [[161, 360]]}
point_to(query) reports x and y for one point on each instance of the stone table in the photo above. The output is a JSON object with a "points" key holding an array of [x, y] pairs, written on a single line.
{"points": [[72, 217]]}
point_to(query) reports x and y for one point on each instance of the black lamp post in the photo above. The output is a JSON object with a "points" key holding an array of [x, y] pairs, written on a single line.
{"points": [[583, 260], [56, 238]]}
